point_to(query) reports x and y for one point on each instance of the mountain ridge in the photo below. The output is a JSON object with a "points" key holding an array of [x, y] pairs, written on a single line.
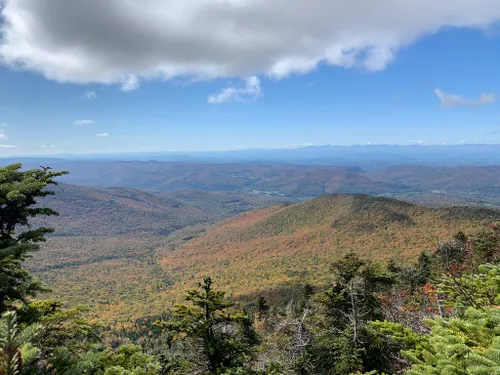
{"points": [[126, 211], [293, 244]]}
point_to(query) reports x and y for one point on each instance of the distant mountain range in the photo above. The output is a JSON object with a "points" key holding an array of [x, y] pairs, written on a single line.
{"points": [[280, 180], [435, 185], [367, 157]]}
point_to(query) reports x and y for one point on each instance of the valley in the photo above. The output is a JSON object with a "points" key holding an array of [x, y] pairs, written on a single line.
{"points": [[129, 253], [133, 235]]}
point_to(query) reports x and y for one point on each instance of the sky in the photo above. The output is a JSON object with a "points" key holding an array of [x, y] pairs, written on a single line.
{"points": [[117, 76]]}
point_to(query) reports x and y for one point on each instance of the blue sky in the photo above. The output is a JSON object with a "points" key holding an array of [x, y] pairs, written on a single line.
{"points": [[438, 87]]}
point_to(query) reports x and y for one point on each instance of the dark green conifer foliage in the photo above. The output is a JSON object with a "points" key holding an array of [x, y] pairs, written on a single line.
{"points": [[468, 345], [262, 307], [16, 349], [219, 339], [486, 245], [19, 193], [341, 339], [423, 269]]}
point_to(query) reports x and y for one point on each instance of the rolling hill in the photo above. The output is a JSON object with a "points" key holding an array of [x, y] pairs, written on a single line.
{"points": [[464, 185], [269, 250], [87, 211], [286, 245], [106, 239], [281, 180], [422, 184], [474, 179], [222, 204]]}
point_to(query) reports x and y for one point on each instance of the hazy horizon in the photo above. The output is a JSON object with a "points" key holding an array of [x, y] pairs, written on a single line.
{"points": [[423, 146]]}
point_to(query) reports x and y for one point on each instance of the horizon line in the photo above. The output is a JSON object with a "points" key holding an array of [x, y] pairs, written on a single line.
{"points": [[282, 148]]}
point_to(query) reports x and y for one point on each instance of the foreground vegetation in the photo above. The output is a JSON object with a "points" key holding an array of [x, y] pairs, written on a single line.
{"points": [[440, 315]]}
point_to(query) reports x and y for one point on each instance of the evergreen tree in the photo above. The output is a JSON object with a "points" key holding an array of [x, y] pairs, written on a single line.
{"points": [[341, 339], [16, 344], [65, 335], [413, 277], [460, 346], [19, 193], [423, 269], [478, 289], [125, 360], [454, 252], [262, 307], [219, 340], [486, 245]]}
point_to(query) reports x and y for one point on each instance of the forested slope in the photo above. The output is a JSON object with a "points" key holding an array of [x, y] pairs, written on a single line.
{"points": [[87, 211], [137, 249], [284, 245]]}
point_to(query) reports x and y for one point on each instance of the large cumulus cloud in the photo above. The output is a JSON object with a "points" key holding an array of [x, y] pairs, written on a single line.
{"points": [[124, 41]]}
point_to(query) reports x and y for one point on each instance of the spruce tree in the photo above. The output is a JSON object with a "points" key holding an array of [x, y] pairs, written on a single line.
{"points": [[341, 339], [219, 339], [16, 347], [468, 345], [19, 194]]}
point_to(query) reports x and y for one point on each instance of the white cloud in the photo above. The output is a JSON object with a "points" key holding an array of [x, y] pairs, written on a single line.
{"points": [[126, 41], [250, 91], [3, 135], [452, 100], [52, 146], [84, 122], [131, 83], [298, 145], [7, 146], [102, 135], [89, 94]]}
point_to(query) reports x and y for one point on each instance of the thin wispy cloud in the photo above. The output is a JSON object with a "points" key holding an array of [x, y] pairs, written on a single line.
{"points": [[83, 122], [102, 134], [298, 145], [131, 83], [7, 146], [250, 91], [453, 100], [90, 94], [158, 39]]}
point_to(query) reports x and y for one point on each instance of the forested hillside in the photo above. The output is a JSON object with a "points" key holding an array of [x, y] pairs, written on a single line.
{"points": [[268, 250], [469, 178], [285, 245], [86, 211], [422, 184], [104, 248], [157, 176]]}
